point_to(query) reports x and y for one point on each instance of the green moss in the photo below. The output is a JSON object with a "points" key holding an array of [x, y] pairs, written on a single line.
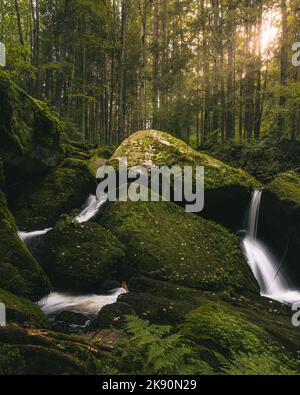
{"points": [[63, 189], [227, 189], [80, 257], [218, 332], [30, 133], [151, 147], [19, 271], [286, 186], [113, 316], [49, 353], [20, 310], [264, 159], [11, 361], [164, 242]]}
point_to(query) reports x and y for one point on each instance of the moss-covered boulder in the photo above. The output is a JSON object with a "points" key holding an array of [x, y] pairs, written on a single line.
{"points": [[20, 310], [287, 187], [162, 241], [80, 257], [227, 189], [62, 190], [223, 336], [279, 224], [264, 159], [19, 271], [30, 133], [112, 316], [37, 352]]}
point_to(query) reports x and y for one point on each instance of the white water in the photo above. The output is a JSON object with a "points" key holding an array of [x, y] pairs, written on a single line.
{"points": [[265, 267], [27, 237], [88, 305], [91, 208], [57, 302]]}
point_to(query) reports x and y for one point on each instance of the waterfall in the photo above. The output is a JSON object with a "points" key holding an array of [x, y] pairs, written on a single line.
{"points": [[91, 208], [264, 265], [27, 237], [85, 304], [89, 211]]}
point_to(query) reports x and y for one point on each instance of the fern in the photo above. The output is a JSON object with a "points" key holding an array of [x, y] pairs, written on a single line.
{"points": [[154, 349]]}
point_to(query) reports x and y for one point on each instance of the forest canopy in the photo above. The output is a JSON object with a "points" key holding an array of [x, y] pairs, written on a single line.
{"points": [[206, 71]]}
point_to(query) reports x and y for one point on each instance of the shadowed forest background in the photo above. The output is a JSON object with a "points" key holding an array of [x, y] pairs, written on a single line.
{"points": [[206, 71]]}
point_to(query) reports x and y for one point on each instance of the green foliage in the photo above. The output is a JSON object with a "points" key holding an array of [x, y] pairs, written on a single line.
{"points": [[264, 159], [11, 361], [224, 337], [153, 349], [258, 364]]}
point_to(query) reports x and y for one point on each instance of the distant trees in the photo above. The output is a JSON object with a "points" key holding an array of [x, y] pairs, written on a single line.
{"points": [[199, 69]]}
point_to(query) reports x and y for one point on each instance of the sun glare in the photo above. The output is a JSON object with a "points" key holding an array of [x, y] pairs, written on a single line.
{"points": [[270, 31]]}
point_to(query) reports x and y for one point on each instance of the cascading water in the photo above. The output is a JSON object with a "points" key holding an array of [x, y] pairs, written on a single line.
{"points": [[263, 264], [27, 237], [56, 302], [88, 305], [89, 211], [91, 208]]}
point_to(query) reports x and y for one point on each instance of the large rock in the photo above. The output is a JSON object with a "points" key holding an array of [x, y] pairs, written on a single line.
{"points": [[279, 224], [30, 134], [22, 311], [113, 316], [62, 190], [242, 339], [162, 241], [19, 271], [80, 257], [227, 189]]}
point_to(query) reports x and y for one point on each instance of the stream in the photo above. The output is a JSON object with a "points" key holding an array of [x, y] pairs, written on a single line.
{"points": [[57, 302], [265, 267]]}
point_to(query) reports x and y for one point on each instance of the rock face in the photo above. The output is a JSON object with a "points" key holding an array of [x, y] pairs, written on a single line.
{"points": [[227, 189], [279, 222], [65, 188], [80, 257], [164, 242], [113, 316], [19, 271], [20, 310], [29, 134]]}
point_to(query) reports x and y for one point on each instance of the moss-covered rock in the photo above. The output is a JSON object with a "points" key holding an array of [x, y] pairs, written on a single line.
{"points": [[157, 309], [19, 271], [218, 333], [39, 351], [287, 187], [226, 188], [80, 257], [162, 241], [29, 133], [20, 310], [279, 224], [113, 316], [62, 190], [263, 159]]}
